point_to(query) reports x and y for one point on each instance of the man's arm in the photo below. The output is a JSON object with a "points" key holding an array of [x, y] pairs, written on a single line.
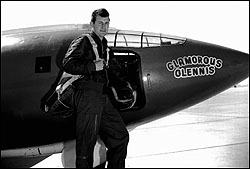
{"points": [[79, 60]]}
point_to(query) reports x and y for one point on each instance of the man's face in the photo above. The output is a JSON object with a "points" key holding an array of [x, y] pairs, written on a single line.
{"points": [[101, 26]]}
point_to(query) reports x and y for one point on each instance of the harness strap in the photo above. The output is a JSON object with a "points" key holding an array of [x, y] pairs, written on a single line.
{"points": [[94, 46], [107, 63], [60, 88]]}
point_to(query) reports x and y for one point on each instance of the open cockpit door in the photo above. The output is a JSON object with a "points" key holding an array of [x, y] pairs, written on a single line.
{"points": [[131, 71]]}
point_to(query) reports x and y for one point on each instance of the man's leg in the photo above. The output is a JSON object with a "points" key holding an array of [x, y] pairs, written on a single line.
{"points": [[88, 105], [114, 134]]}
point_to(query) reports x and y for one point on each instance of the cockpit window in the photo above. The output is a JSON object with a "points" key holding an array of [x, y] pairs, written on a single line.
{"points": [[151, 40], [167, 40], [141, 39], [128, 39], [111, 39]]}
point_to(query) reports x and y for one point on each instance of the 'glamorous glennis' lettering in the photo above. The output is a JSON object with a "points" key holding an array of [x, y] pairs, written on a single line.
{"points": [[193, 66]]}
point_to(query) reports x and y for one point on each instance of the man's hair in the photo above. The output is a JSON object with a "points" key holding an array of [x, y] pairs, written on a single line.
{"points": [[101, 12]]}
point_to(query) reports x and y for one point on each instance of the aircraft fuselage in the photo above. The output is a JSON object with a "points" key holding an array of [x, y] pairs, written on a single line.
{"points": [[170, 76]]}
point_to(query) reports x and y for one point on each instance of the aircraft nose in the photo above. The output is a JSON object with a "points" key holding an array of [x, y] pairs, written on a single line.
{"points": [[209, 66], [229, 66], [236, 65]]}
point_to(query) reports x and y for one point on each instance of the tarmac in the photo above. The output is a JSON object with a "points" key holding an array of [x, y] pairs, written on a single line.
{"points": [[211, 134]]}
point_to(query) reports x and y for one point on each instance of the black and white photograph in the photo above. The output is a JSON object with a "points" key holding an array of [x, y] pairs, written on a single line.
{"points": [[125, 84]]}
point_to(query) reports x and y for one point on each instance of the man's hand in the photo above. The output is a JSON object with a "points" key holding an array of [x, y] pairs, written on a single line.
{"points": [[99, 64]]}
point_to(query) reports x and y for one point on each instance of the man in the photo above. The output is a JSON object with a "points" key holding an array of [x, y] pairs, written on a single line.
{"points": [[94, 112]]}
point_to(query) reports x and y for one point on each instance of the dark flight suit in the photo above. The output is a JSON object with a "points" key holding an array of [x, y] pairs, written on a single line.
{"points": [[94, 112]]}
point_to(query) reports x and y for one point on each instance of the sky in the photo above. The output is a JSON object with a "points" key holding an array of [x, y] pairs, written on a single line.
{"points": [[225, 23]]}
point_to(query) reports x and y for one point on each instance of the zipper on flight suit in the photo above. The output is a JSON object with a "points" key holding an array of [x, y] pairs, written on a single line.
{"points": [[95, 124]]}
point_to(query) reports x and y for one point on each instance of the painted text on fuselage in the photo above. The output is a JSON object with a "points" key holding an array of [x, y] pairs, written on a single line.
{"points": [[193, 66]]}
